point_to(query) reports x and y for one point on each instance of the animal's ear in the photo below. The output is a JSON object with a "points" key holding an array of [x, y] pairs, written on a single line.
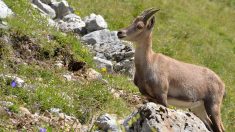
{"points": [[151, 23], [147, 14]]}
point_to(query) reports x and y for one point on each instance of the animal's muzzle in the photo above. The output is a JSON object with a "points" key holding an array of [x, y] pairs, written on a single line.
{"points": [[121, 34]]}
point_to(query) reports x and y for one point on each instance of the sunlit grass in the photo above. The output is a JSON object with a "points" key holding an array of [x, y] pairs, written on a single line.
{"points": [[199, 32]]}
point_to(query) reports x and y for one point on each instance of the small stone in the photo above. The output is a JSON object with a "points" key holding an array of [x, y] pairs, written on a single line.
{"points": [[68, 77], [59, 64], [93, 75], [61, 8], [62, 116], [102, 63], [6, 103], [15, 81], [107, 122], [104, 81], [45, 8], [95, 22], [3, 25], [24, 111], [116, 95], [19, 82], [55, 110]]}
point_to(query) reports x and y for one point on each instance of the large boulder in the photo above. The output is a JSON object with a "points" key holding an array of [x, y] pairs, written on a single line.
{"points": [[71, 23], [95, 22], [107, 123], [45, 8], [154, 117], [4, 10], [99, 37], [61, 8]]}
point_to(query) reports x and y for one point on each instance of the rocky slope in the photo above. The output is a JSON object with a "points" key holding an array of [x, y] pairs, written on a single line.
{"points": [[153, 117], [109, 51]]}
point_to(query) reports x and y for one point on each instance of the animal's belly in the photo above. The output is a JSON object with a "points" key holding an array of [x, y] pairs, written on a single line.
{"points": [[183, 104]]}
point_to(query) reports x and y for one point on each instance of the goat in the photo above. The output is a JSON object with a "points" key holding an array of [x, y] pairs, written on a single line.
{"points": [[165, 80]]}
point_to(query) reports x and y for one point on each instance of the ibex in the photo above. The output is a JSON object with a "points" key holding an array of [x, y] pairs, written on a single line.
{"points": [[165, 80]]}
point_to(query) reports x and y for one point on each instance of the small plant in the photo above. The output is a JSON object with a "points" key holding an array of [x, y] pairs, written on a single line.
{"points": [[14, 108]]}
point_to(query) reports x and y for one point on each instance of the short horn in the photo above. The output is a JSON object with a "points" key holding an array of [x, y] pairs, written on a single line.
{"points": [[149, 13]]}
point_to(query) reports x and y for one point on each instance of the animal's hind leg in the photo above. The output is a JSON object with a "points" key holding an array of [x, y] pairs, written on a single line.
{"points": [[213, 111], [200, 112]]}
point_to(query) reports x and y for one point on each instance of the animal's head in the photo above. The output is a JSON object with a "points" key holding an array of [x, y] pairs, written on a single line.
{"points": [[141, 26]]}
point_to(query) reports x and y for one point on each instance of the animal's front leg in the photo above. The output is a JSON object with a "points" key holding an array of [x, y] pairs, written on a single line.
{"points": [[161, 99], [140, 85], [160, 91]]}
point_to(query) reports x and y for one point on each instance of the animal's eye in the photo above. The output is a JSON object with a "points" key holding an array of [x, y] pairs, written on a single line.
{"points": [[140, 25]]}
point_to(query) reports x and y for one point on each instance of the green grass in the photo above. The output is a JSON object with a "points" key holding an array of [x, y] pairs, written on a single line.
{"points": [[122, 82], [199, 32]]}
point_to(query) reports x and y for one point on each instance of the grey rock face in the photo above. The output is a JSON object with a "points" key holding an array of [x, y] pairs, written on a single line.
{"points": [[71, 23], [72, 18], [4, 10], [107, 123], [101, 36], [61, 8], [48, 1], [153, 117], [45, 8], [104, 44], [95, 22], [107, 46], [125, 66], [102, 63]]}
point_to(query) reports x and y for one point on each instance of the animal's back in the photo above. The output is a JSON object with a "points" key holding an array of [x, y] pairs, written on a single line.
{"points": [[187, 81]]}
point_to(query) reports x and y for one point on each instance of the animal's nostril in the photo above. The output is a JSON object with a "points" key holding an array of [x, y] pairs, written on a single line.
{"points": [[119, 33]]}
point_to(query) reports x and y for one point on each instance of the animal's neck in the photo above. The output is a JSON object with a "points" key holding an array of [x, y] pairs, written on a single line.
{"points": [[143, 52]]}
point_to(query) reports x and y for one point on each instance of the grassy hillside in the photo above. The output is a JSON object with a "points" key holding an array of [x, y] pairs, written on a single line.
{"points": [[46, 87], [195, 31]]}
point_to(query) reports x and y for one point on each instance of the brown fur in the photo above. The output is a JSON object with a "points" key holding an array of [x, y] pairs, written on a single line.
{"points": [[162, 79]]}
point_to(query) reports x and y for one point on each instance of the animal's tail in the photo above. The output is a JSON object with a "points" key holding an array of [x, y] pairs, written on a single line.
{"points": [[223, 87], [225, 94]]}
